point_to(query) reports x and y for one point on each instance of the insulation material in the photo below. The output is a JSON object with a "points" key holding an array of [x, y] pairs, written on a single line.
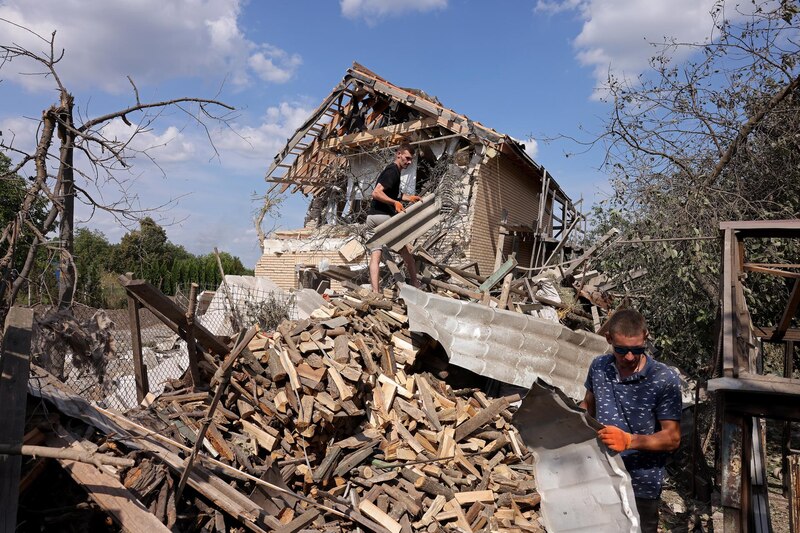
{"points": [[408, 177], [505, 345], [584, 488]]}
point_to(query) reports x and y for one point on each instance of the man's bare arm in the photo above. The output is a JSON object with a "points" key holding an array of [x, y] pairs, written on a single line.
{"points": [[381, 196], [666, 440], [588, 403]]}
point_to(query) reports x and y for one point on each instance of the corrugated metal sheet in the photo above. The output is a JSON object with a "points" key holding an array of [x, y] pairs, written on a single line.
{"points": [[583, 487], [404, 227], [505, 345]]}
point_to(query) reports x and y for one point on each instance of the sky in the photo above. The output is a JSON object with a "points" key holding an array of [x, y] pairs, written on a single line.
{"points": [[532, 69]]}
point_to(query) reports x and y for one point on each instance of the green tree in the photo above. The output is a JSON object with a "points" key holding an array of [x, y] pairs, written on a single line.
{"points": [[92, 255], [695, 143]]}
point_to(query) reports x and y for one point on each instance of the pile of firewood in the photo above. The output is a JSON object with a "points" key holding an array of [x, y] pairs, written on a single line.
{"points": [[333, 409]]}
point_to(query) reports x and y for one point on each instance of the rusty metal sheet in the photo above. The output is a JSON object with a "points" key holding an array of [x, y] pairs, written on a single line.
{"points": [[404, 227], [584, 488], [505, 345]]}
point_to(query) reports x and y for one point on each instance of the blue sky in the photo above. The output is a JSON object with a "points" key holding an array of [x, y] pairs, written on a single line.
{"points": [[527, 68]]}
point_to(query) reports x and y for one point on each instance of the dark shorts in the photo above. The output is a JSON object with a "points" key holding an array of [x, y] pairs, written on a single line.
{"points": [[648, 514]]}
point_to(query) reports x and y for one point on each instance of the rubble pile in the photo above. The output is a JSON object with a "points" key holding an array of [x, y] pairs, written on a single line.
{"points": [[331, 408]]}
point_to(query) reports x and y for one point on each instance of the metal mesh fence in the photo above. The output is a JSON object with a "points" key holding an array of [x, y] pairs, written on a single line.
{"points": [[164, 353]]}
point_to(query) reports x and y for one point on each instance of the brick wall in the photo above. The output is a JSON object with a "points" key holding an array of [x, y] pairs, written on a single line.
{"points": [[502, 184], [281, 268]]}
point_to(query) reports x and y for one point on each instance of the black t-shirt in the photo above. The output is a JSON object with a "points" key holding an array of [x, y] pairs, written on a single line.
{"points": [[390, 179]]}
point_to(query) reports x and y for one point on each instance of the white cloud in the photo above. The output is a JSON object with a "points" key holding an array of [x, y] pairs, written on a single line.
{"points": [[273, 64], [169, 146], [373, 10], [617, 35], [150, 40], [557, 6], [247, 146]]}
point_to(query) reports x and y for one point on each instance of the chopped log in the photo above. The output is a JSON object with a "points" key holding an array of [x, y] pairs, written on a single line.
{"points": [[484, 416], [372, 511]]}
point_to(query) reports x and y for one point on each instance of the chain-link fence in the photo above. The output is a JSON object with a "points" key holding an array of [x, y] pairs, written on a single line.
{"points": [[105, 372]]}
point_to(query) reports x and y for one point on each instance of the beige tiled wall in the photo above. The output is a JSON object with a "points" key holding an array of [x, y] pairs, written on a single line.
{"points": [[502, 184]]}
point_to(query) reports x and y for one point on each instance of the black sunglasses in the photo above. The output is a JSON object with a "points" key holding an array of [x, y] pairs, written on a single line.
{"points": [[635, 350]]}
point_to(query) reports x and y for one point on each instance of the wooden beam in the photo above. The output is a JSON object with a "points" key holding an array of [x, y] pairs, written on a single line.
{"points": [[764, 228], [356, 139], [765, 334], [762, 269], [14, 371], [788, 313], [574, 265], [171, 313]]}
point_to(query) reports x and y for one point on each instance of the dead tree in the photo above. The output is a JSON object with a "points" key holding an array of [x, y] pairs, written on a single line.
{"points": [[60, 134]]}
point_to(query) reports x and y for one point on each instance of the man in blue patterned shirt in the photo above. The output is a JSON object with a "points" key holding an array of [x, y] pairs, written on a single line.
{"points": [[638, 400]]}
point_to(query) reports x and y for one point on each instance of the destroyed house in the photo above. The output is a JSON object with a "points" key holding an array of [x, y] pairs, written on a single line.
{"points": [[496, 201]]}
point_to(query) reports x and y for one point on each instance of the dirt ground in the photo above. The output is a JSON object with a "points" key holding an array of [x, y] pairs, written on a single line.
{"points": [[681, 513]]}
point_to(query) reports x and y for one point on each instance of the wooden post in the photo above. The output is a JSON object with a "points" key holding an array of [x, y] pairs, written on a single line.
{"points": [[786, 441], [731, 459], [505, 291], [793, 474], [14, 370], [501, 241], [191, 345], [139, 368]]}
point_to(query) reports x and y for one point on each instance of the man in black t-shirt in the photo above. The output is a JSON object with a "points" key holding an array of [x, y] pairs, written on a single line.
{"points": [[386, 202]]}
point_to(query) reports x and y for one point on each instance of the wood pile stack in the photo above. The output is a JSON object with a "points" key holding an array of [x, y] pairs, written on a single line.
{"points": [[332, 409]]}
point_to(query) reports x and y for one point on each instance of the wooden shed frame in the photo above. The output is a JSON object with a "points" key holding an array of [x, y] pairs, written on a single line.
{"points": [[745, 394]]}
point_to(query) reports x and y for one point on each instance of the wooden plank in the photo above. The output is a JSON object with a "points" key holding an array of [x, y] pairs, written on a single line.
{"points": [[139, 368], [108, 492], [14, 371], [497, 275]]}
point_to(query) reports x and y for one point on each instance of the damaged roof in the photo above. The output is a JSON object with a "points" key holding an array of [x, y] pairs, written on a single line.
{"points": [[366, 111]]}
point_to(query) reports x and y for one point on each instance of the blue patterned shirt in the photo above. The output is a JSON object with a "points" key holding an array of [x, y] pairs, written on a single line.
{"points": [[636, 404]]}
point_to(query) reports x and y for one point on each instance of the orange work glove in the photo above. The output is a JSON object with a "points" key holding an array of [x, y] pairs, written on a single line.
{"points": [[615, 438], [398, 207], [414, 198]]}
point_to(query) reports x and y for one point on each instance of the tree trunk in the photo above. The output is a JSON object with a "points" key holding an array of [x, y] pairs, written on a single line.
{"points": [[66, 280]]}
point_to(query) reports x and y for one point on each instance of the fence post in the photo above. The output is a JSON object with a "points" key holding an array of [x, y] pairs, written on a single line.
{"points": [[139, 368], [191, 345]]}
